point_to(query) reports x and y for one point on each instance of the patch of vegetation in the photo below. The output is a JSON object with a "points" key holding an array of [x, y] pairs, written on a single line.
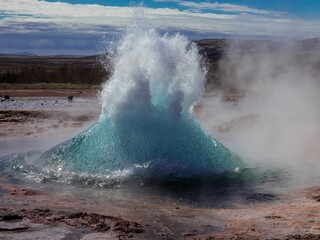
{"points": [[52, 72]]}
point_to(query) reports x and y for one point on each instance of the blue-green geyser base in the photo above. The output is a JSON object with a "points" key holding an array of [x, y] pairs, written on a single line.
{"points": [[157, 145], [18, 165], [219, 190], [140, 147]]}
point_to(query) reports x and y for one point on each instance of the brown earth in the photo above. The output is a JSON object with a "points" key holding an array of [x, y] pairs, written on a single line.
{"points": [[32, 211], [48, 92], [35, 123], [298, 219]]}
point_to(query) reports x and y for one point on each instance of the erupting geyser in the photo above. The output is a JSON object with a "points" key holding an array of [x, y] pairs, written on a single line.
{"points": [[146, 121]]}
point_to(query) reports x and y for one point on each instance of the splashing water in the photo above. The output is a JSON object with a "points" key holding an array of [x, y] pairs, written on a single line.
{"points": [[146, 121]]}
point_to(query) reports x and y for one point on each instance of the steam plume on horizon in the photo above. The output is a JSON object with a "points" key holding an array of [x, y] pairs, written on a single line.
{"points": [[277, 119]]}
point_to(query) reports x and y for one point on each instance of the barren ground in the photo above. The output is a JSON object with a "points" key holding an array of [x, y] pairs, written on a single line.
{"points": [[38, 119]]}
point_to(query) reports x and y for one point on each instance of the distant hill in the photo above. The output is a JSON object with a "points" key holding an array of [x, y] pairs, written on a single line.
{"points": [[27, 54], [28, 68], [51, 69], [311, 44], [214, 49]]}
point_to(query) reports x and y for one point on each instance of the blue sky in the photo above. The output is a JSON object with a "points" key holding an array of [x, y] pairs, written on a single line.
{"points": [[78, 26], [303, 8]]}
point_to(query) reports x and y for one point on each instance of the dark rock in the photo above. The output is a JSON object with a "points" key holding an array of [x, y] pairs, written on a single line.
{"points": [[6, 97], [102, 227], [93, 221], [10, 217], [14, 229], [70, 98], [314, 194], [191, 233]]}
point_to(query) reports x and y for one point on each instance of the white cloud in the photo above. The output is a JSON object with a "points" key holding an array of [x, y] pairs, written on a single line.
{"points": [[225, 7], [22, 16], [222, 7]]}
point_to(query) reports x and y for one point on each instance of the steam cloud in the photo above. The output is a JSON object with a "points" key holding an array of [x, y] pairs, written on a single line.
{"points": [[276, 118]]}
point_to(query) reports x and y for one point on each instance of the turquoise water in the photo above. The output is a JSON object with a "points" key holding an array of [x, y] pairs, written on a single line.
{"points": [[161, 144]]}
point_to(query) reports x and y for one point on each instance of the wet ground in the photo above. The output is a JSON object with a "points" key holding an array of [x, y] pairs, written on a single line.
{"points": [[39, 122], [51, 210], [78, 212]]}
